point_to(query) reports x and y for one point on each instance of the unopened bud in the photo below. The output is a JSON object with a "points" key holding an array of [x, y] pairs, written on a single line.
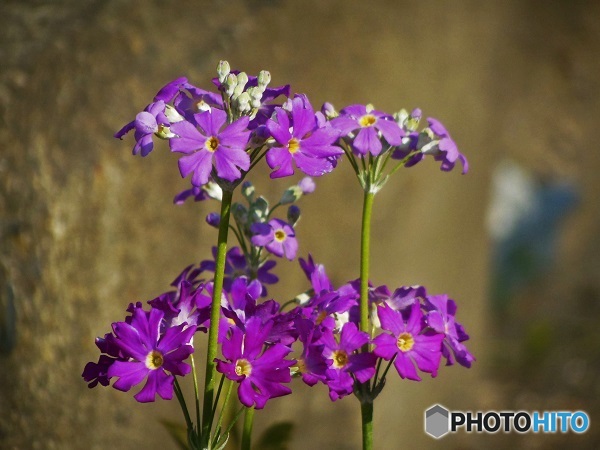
{"points": [[293, 214], [264, 78], [290, 195], [248, 190], [307, 185], [213, 219], [240, 214], [243, 102], [230, 84], [242, 79], [329, 111], [223, 70]]}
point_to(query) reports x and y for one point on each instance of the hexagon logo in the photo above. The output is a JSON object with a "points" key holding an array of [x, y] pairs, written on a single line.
{"points": [[437, 422]]}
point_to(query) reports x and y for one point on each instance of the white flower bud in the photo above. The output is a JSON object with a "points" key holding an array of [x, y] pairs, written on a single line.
{"points": [[264, 78], [230, 83], [243, 102], [223, 70]]}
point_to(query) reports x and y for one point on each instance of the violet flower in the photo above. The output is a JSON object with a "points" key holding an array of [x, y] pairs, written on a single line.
{"points": [[236, 266], [277, 237], [302, 141], [408, 343], [345, 361], [441, 318], [150, 355], [146, 124], [260, 374], [370, 123], [446, 149], [211, 140]]}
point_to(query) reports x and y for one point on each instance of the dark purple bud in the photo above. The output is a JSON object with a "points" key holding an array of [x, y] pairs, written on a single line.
{"points": [[213, 219]]}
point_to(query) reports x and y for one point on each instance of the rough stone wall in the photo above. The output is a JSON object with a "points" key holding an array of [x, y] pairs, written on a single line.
{"points": [[85, 228]]}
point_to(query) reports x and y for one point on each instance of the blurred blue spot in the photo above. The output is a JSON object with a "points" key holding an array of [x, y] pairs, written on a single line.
{"points": [[524, 222]]}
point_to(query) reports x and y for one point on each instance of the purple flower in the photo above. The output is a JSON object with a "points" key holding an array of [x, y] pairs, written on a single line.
{"points": [[316, 275], [95, 373], [260, 374], [408, 343], [441, 318], [345, 361], [446, 149], [211, 140], [277, 237], [301, 141], [200, 193], [312, 364], [147, 123], [370, 123], [236, 266], [150, 354]]}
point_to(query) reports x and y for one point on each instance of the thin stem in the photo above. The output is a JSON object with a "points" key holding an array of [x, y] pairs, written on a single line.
{"points": [[365, 243], [215, 314], [181, 399], [216, 402], [196, 394], [224, 407], [247, 432], [366, 405], [255, 162], [387, 368], [366, 410]]}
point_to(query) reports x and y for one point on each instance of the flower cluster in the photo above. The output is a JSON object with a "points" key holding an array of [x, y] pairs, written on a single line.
{"points": [[342, 336], [414, 330], [151, 345]]}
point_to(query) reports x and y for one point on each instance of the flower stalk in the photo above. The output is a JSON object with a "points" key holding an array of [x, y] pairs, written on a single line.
{"points": [[215, 314], [247, 431]]}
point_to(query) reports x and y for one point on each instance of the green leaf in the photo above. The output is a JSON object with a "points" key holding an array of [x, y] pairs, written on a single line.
{"points": [[276, 437]]}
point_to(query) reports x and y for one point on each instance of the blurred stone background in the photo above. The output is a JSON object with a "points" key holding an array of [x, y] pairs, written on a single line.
{"points": [[85, 228]]}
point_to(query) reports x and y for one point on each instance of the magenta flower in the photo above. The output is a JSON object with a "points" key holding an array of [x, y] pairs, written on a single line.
{"points": [[147, 123], [446, 150], [346, 361], [370, 123], [302, 141], [260, 374], [150, 355], [211, 140], [277, 237], [441, 318], [236, 266], [408, 343]]}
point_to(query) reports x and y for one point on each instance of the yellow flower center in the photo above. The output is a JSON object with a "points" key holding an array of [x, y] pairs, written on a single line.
{"points": [[340, 359], [293, 145], [367, 120], [280, 235], [243, 367], [154, 360], [211, 144], [405, 342]]}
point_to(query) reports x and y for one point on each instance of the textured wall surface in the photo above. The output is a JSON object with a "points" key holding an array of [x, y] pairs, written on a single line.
{"points": [[85, 228]]}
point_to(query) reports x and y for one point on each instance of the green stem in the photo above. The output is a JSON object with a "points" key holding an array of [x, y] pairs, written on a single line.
{"points": [[366, 410], [215, 314], [365, 243], [366, 405], [181, 399], [247, 433], [196, 394]]}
